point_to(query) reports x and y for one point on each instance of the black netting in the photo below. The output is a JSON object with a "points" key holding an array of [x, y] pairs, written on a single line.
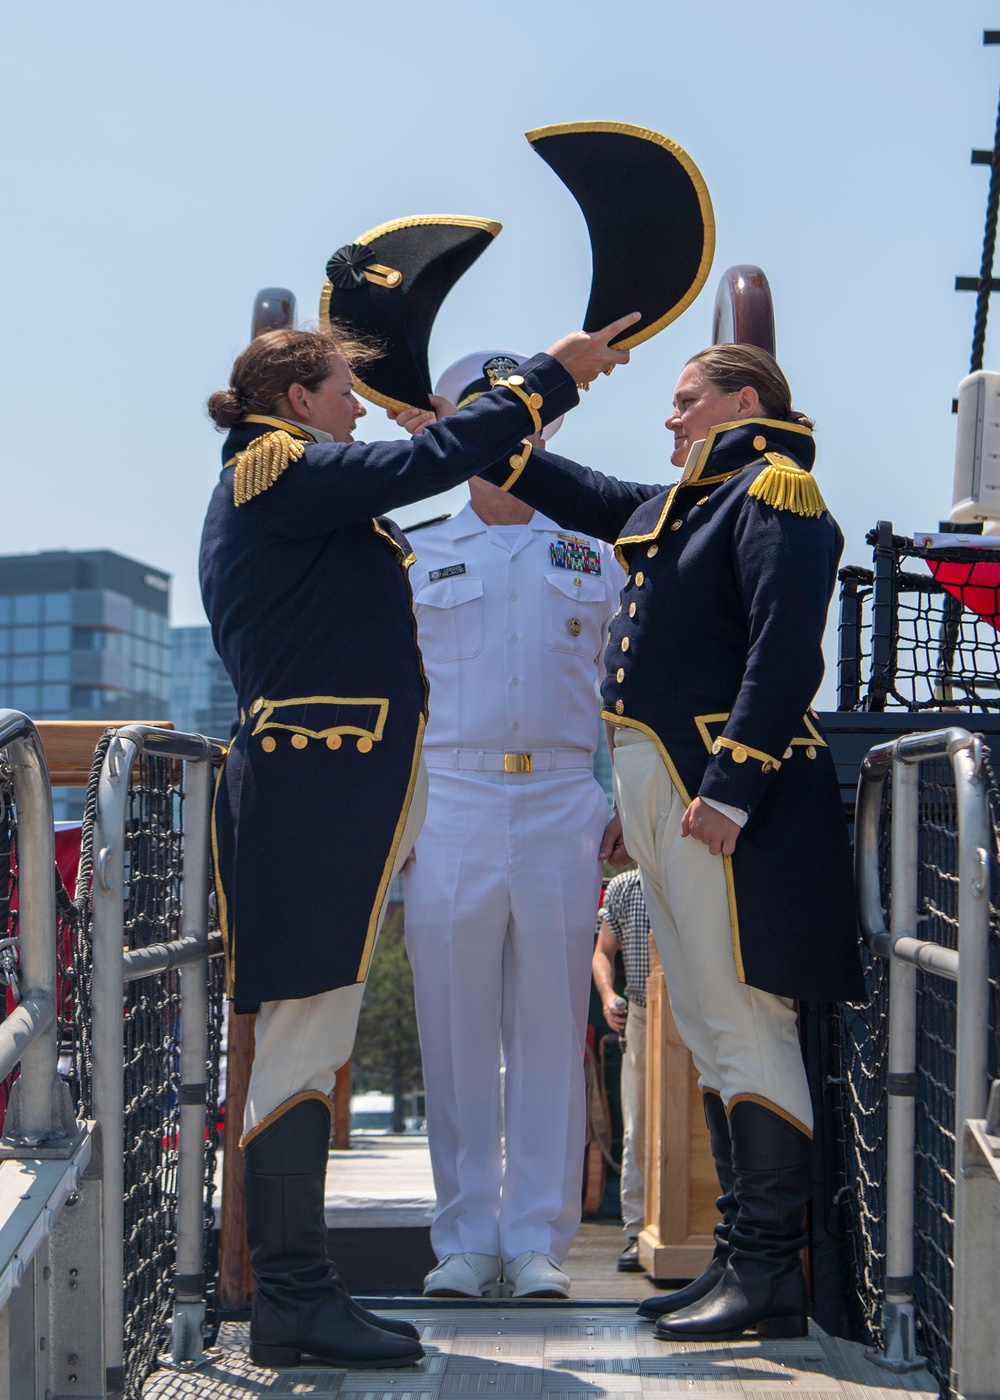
{"points": [[8, 916], [906, 641], [860, 1035], [154, 857]]}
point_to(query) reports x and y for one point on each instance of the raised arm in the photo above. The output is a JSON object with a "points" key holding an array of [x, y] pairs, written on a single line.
{"points": [[571, 495]]}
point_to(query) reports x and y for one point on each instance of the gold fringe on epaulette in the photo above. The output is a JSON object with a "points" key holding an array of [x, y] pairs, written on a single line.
{"points": [[259, 465], [786, 486]]}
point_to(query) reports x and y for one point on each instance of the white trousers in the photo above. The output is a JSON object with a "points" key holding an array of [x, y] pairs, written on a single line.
{"points": [[744, 1042], [633, 1179], [300, 1044], [500, 907]]}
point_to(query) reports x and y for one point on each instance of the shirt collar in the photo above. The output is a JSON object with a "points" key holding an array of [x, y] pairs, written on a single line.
{"points": [[468, 523]]}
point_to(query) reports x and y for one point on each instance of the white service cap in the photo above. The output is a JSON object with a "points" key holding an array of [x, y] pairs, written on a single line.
{"points": [[460, 377]]}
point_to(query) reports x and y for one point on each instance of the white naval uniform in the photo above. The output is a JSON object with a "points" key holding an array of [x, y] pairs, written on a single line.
{"points": [[500, 899]]}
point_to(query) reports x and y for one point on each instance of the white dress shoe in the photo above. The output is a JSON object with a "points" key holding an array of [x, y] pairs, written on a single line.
{"points": [[534, 1275], [464, 1276]]}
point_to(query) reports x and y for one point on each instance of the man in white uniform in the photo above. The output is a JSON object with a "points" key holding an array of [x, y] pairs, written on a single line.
{"points": [[512, 617]]}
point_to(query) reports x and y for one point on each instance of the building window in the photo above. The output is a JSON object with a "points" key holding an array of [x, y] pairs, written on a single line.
{"points": [[25, 668], [4, 639], [25, 640], [55, 698], [57, 607], [27, 607], [55, 667], [25, 698], [55, 638]]}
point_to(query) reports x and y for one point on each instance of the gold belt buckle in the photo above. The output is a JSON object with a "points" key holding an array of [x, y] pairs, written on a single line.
{"points": [[517, 763]]}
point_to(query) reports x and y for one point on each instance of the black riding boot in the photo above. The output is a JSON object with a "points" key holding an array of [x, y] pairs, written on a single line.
{"points": [[762, 1285], [301, 1305], [722, 1151]]}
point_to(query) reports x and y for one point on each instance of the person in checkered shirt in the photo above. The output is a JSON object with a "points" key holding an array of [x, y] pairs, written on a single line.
{"points": [[622, 922]]}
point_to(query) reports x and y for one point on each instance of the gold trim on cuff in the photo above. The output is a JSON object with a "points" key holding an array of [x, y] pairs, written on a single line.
{"points": [[532, 402], [518, 461], [741, 752]]}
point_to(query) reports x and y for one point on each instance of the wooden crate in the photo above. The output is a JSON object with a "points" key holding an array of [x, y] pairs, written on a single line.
{"points": [[681, 1184]]}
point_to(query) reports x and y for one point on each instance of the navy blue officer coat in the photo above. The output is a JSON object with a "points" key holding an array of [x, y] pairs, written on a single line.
{"points": [[716, 654], [305, 585]]}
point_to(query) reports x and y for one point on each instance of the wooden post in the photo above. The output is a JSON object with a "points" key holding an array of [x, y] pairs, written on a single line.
{"points": [[681, 1186], [235, 1278], [342, 1109]]}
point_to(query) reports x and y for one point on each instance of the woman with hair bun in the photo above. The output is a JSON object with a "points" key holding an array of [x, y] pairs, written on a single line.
{"points": [[728, 796], [322, 793]]}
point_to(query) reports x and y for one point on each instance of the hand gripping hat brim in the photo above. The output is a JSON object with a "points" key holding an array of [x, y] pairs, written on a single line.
{"points": [[649, 215], [388, 287]]}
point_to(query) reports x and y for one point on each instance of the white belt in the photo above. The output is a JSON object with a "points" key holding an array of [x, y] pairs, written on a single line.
{"points": [[493, 761]]}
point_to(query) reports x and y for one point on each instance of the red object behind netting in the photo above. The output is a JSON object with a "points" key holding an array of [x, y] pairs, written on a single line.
{"points": [[976, 586]]}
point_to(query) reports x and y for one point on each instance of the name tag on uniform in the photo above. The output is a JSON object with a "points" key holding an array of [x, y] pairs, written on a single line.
{"points": [[450, 572], [578, 555]]}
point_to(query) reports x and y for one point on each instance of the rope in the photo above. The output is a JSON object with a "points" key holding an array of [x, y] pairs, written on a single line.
{"points": [[986, 266]]}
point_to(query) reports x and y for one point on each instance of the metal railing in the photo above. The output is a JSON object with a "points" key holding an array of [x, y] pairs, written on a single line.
{"points": [[52, 1230], [967, 966], [112, 971]]}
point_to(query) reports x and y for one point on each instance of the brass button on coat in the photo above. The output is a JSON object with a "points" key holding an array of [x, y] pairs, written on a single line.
{"points": [[767, 766], [652, 551], [631, 610], [717, 746], [759, 443], [257, 706], [625, 644], [810, 752], [333, 741], [620, 673], [640, 579], [787, 753], [268, 743], [299, 741], [619, 707], [364, 744], [578, 583], [702, 501], [676, 524], [574, 627], [739, 754]]}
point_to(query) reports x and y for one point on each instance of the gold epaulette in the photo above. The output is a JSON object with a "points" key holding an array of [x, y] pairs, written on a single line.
{"points": [[259, 465], [786, 486]]}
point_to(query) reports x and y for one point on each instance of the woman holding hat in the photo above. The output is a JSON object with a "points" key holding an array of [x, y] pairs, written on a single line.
{"points": [[728, 796], [305, 584]]}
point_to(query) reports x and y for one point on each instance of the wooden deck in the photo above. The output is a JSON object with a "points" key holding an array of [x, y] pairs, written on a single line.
{"points": [[591, 1346], [558, 1352]]}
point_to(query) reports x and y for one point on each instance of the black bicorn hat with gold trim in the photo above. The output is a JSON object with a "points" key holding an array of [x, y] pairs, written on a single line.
{"points": [[388, 286], [649, 215]]}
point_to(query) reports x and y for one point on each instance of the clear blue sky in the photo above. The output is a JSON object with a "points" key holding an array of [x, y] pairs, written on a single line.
{"points": [[163, 162]]}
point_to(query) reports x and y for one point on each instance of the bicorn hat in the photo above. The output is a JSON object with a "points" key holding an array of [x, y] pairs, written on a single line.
{"points": [[470, 376], [649, 215], [387, 287]]}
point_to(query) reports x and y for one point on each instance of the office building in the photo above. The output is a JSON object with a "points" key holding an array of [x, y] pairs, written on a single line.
{"points": [[83, 635], [202, 699]]}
